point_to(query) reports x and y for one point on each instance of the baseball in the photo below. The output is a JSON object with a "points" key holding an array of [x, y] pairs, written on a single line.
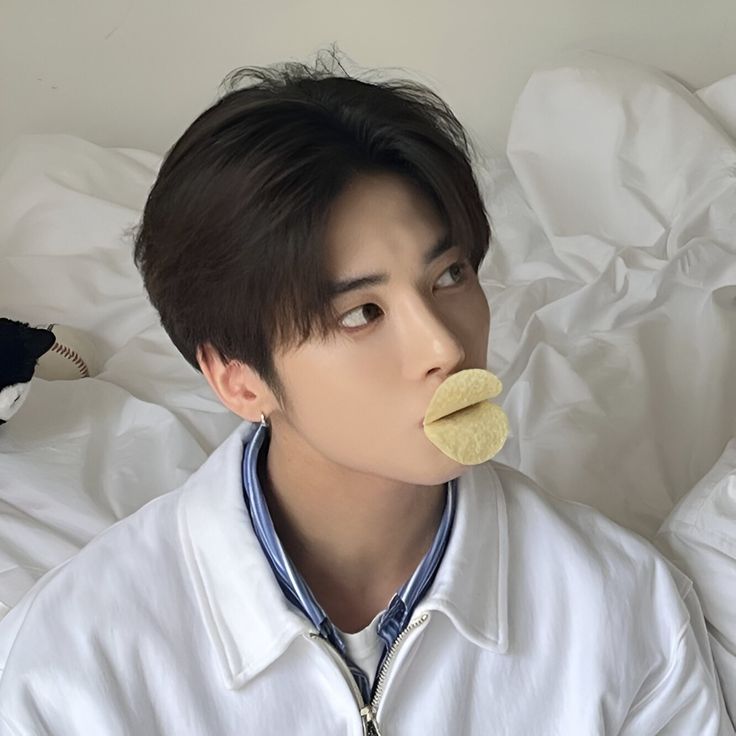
{"points": [[72, 356]]}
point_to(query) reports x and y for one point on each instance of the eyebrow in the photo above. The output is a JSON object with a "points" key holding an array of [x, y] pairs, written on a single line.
{"points": [[338, 288]]}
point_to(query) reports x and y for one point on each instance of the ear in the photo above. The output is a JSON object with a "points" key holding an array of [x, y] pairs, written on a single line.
{"points": [[236, 384]]}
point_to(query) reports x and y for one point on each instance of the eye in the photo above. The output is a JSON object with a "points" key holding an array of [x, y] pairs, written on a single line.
{"points": [[462, 267]]}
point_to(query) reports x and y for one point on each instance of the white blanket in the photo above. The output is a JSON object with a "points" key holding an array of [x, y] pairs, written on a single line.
{"points": [[611, 279]]}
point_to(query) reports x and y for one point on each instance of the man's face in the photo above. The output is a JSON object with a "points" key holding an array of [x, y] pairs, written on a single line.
{"points": [[357, 400]]}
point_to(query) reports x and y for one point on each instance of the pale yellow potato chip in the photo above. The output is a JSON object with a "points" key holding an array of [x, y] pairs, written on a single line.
{"points": [[472, 435], [460, 390]]}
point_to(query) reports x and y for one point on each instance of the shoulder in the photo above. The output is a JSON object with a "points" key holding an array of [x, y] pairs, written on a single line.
{"points": [[570, 525], [112, 574], [610, 606], [593, 556]]}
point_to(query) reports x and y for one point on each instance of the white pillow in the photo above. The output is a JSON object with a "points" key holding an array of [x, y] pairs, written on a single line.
{"points": [[67, 212], [615, 155]]}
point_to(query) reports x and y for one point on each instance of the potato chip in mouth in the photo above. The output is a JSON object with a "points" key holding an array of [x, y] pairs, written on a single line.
{"points": [[461, 422]]}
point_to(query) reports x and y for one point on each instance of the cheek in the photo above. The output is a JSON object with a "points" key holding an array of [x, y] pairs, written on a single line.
{"points": [[487, 307], [330, 390], [472, 320], [355, 415]]}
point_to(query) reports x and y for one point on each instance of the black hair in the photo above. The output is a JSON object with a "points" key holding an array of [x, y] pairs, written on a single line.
{"points": [[231, 242]]}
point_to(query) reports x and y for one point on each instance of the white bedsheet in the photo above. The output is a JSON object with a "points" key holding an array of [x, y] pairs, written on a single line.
{"points": [[612, 284], [621, 350]]}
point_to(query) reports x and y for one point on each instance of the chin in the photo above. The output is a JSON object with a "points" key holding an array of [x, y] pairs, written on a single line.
{"points": [[444, 470]]}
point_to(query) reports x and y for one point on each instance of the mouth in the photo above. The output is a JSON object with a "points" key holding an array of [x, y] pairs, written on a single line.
{"points": [[460, 421], [423, 422], [460, 391]]}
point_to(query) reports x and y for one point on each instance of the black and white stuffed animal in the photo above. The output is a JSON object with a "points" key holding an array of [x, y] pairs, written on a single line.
{"points": [[20, 347]]}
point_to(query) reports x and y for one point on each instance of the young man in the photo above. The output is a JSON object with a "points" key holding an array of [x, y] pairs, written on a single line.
{"points": [[312, 244]]}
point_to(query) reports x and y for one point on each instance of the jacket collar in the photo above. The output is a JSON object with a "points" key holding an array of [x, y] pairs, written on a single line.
{"points": [[249, 620]]}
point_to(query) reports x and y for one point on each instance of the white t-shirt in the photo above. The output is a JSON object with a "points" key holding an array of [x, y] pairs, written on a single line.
{"points": [[365, 647]]}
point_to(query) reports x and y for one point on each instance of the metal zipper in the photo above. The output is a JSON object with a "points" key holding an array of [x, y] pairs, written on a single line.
{"points": [[368, 711], [389, 658], [370, 728]]}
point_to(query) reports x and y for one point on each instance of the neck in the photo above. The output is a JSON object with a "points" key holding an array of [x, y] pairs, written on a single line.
{"points": [[354, 538]]}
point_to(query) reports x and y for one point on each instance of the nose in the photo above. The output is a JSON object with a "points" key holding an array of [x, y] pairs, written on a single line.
{"points": [[431, 341]]}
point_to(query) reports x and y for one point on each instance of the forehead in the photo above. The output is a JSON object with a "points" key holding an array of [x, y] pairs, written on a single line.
{"points": [[379, 208]]}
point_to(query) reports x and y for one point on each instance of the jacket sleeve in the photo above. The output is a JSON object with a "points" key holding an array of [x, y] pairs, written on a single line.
{"points": [[685, 696], [7, 729], [11, 691]]}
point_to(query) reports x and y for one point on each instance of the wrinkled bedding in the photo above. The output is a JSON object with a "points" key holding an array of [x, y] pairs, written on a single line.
{"points": [[611, 280]]}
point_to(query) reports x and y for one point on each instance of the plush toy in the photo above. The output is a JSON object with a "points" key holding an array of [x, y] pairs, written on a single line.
{"points": [[51, 352], [20, 347]]}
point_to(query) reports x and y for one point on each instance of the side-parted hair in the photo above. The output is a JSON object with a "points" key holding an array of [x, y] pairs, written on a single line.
{"points": [[231, 242]]}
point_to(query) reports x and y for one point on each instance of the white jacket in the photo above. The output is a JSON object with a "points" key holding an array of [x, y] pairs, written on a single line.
{"points": [[544, 618]]}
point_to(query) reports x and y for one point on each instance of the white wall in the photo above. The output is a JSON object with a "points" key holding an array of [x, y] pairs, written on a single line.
{"points": [[134, 73]]}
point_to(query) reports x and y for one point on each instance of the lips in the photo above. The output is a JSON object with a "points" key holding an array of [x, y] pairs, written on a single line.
{"points": [[461, 390]]}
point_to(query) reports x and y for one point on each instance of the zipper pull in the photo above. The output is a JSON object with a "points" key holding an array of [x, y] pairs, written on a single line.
{"points": [[370, 724]]}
